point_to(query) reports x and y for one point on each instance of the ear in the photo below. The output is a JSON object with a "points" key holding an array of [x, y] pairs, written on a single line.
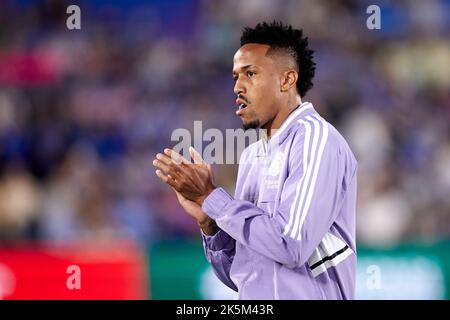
{"points": [[288, 80]]}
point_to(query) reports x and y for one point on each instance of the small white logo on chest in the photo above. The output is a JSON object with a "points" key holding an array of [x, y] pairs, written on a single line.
{"points": [[271, 172]]}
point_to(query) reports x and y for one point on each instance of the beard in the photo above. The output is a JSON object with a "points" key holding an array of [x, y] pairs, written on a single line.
{"points": [[253, 124]]}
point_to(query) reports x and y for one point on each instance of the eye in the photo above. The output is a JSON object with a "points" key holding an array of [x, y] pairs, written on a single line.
{"points": [[250, 74], [235, 78]]}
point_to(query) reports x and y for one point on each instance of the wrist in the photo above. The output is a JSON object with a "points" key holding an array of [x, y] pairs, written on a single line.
{"points": [[208, 226], [202, 198]]}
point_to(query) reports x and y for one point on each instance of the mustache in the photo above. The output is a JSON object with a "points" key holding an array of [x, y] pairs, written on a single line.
{"points": [[240, 96]]}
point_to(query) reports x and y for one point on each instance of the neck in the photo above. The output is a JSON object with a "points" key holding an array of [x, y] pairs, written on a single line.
{"points": [[282, 115]]}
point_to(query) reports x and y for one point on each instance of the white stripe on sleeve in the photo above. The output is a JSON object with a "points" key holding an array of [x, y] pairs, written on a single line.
{"points": [[312, 188]]}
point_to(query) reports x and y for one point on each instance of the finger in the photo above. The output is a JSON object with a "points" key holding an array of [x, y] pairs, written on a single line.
{"points": [[163, 158], [168, 169], [161, 165], [195, 156], [167, 179], [175, 156]]}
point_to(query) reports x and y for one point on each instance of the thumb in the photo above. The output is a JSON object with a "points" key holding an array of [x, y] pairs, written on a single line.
{"points": [[179, 195], [175, 190], [195, 156]]}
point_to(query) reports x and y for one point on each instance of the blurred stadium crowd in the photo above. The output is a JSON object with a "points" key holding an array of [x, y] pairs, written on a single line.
{"points": [[83, 112]]}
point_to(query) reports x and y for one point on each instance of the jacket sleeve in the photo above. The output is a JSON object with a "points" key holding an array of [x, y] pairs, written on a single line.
{"points": [[219, 250], [311, 197]]}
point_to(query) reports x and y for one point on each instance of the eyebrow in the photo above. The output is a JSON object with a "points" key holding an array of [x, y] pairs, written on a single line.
{"points": [[243, 68]]}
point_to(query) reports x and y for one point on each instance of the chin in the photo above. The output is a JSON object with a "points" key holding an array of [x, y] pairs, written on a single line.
{"points": [[253, 124]]}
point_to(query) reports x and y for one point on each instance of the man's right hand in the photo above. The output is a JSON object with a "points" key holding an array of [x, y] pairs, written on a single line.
{"points": [[207, 224], [193, 209]]}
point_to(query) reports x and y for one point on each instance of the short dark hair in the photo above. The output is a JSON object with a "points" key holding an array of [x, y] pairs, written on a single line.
{"points": [[280, 36]]}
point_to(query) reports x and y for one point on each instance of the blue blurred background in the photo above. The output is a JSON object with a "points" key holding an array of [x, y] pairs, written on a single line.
{"points": [[83, 112]]}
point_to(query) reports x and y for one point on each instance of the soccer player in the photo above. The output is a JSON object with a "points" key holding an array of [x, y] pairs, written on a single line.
{"points": [[289, 230]]}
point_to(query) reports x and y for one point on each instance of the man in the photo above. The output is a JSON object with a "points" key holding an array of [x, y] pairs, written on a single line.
{"points": [[289, 231]]}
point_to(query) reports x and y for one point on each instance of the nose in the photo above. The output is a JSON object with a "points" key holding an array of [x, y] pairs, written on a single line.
{"points": [[239, 87]]}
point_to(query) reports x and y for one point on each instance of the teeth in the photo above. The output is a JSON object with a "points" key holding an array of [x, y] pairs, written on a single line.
{"points": [[242, 106]]}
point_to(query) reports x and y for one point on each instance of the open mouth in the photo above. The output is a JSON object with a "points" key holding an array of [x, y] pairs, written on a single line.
{"points": [[240, 109]]}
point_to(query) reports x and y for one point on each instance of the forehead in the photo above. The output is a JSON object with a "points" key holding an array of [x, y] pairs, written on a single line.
{"points": [[251, 54]]}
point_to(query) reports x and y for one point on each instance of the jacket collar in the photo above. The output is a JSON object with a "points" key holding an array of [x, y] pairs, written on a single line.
{"points": [[281, 133]]}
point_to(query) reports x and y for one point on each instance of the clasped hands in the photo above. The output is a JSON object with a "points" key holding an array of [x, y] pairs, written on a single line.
{"points": [[191, 181]]}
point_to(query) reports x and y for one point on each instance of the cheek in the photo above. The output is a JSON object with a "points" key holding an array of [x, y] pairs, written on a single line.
{"points": [[266, 90], [269, 95]]}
